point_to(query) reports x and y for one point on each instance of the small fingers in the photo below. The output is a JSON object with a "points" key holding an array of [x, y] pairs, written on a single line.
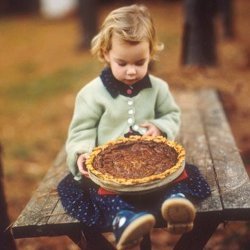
{"points": [[81, 164]]}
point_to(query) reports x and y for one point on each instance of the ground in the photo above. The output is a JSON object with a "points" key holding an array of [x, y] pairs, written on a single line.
{"points": [[41, 70]]}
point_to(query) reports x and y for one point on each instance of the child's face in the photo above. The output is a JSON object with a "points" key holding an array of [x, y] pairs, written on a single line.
{"points": [[128, 61]]}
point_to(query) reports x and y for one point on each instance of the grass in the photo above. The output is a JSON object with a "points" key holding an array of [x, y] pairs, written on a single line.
{"points": [[34, 91], [35, 106], [36, 114], [31, 105]]}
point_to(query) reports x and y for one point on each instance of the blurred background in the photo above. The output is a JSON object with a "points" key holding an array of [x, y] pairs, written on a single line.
{"points": [[45, 60]]}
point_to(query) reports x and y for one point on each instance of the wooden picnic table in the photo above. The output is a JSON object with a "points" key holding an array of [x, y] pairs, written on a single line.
{"points": [[209, 144]]}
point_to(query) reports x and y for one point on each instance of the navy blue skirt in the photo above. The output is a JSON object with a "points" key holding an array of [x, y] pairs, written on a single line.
{"points": [[83, 202]]}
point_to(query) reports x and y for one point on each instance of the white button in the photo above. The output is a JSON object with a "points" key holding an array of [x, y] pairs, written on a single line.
{"points": [[135, 127], [130, 102], [131, 112], [130, 121]]}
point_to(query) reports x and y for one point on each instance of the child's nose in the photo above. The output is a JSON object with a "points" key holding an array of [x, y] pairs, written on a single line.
{"points": [[131, 70]]}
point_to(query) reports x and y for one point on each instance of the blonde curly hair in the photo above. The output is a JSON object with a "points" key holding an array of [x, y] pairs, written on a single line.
{"points": [[132, 24]]}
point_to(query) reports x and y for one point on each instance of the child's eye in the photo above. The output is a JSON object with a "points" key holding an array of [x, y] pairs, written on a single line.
{"points": [[140, 63], [121, 64]]}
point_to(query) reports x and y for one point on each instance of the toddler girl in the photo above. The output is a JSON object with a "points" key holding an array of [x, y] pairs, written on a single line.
{"points": [[125, 99]]}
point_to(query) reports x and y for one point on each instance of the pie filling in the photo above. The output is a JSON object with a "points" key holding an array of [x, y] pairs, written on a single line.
{"points": [[136, 159]]}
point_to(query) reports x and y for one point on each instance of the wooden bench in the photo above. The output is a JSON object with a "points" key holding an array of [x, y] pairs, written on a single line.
{"points": [[209, 143]]}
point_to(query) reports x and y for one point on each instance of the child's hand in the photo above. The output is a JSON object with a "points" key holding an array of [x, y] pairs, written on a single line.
{"points": [[152, 130], [81, 164]]}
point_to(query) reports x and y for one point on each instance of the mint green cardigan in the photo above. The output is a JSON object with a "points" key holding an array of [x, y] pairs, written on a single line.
{"points": [[99, 118]]}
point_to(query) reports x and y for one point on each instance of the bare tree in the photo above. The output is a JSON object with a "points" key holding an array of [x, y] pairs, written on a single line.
{"points": [[6, 240], [18, 6], [88, 14], [226, 16], [199, 39]]}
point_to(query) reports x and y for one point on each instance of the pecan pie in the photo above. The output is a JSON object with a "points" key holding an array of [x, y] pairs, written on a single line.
{"points": [[136, 163]]}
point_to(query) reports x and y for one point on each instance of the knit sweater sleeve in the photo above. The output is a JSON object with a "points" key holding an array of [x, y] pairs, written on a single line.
{"points": [[82, 133], [167, 112]]}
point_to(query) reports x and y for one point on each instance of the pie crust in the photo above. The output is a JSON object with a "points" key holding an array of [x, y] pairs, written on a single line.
{"points": [[136, 163]]}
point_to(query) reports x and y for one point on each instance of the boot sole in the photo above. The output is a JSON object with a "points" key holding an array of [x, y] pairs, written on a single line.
{"points": [[134, 232], [179, 214]]}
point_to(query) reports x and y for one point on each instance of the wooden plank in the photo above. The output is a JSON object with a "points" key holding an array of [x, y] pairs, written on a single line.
{"points": [[192, 136], [203, 127], [59, 216], [231, 175], [33, 219], [45, 208]]}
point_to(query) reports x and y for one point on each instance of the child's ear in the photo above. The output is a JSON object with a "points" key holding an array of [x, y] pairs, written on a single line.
{"points": [[106, 56]]}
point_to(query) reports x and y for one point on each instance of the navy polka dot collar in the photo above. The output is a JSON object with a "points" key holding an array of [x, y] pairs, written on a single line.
{"points": [[116, 87]]}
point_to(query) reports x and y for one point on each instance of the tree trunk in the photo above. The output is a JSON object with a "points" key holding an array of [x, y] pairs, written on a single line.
{"points": [[225, 11], [19, 7], [88, 21], [6, 239], [199, 40]]}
